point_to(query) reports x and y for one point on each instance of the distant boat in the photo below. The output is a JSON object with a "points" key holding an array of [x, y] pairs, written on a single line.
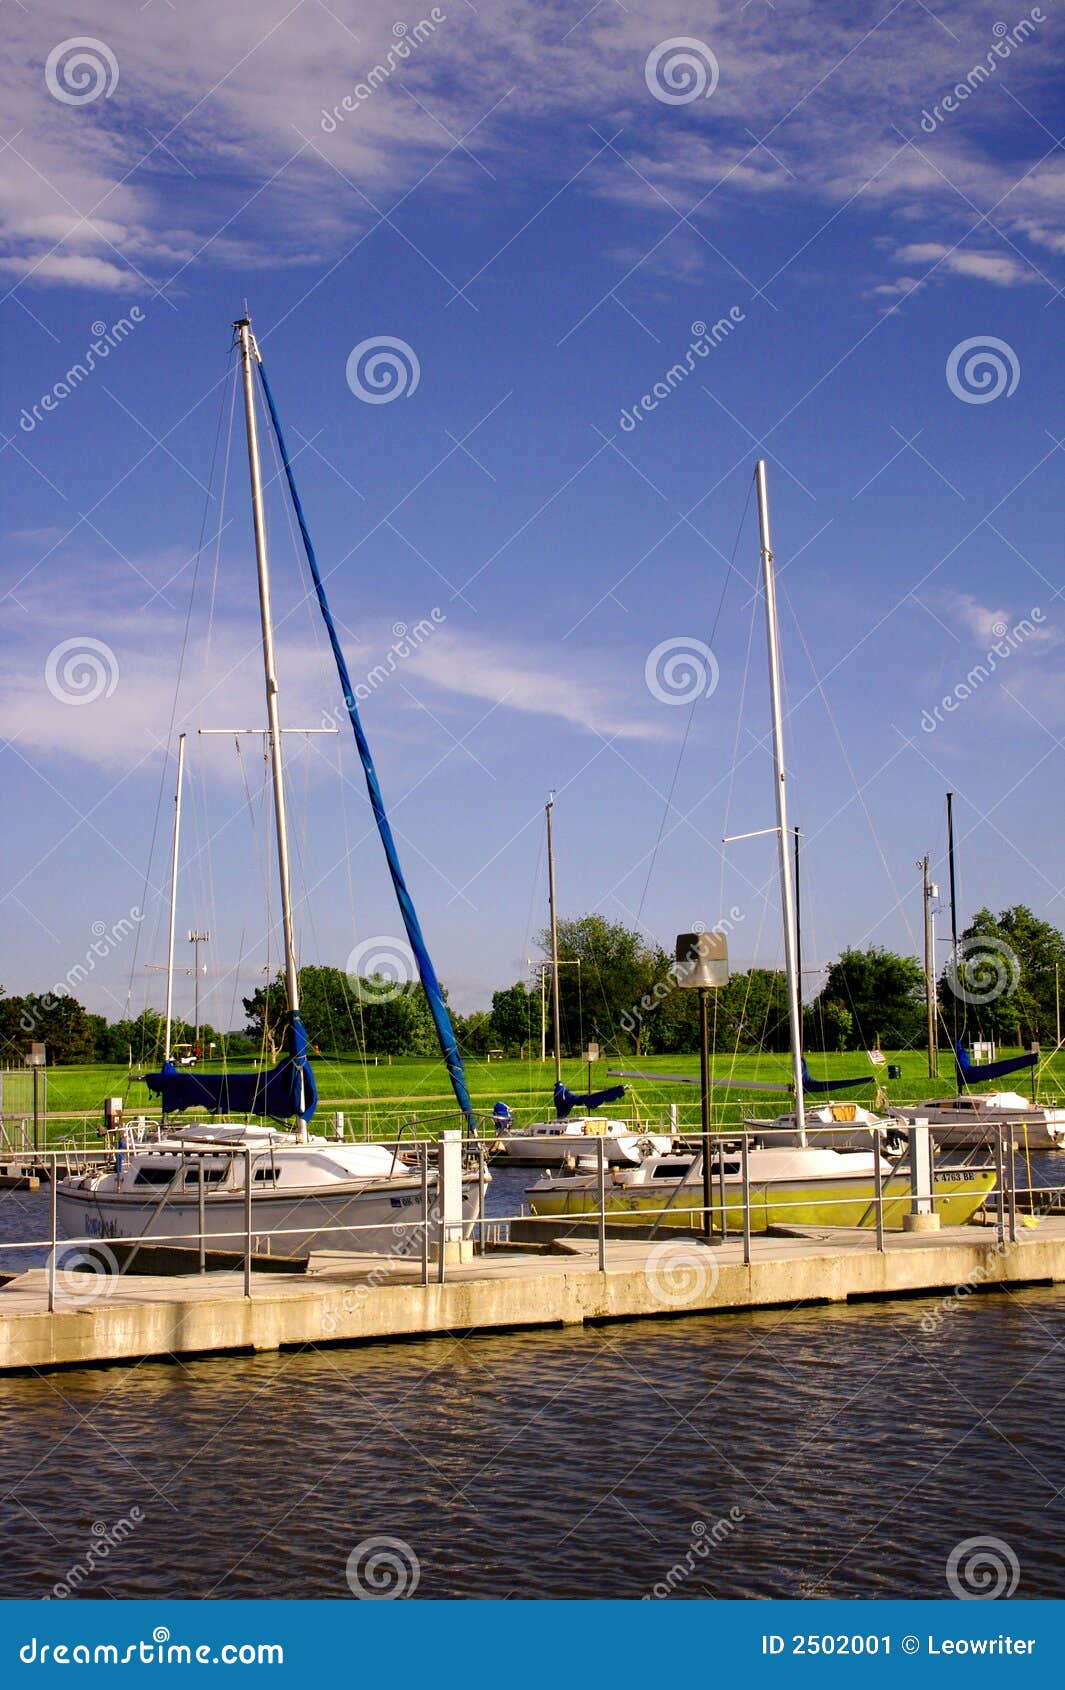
{"points": [[308, 1192], [572, 1136], [968, 1121]]}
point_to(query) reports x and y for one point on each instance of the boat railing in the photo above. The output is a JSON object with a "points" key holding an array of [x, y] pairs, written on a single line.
{"points": [[442, 1226]]}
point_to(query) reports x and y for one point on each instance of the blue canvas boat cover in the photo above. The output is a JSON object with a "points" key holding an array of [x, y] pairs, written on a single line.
{"points": [[970, 1074], [275, 1092], [812, 1085], [567, 1101]]}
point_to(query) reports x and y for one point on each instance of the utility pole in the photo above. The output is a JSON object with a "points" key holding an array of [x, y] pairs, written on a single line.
{"points": [[197, 939], [554, 938], [929, 893]]}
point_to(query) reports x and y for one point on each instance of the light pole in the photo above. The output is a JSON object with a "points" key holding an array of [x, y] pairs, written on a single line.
{"points": [[702, 965], [196, 940]]}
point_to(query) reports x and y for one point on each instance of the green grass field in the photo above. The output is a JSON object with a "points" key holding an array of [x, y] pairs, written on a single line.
{"points": [[377, 1100]]}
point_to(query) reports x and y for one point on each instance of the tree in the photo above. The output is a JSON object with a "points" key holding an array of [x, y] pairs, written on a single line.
{"points": [[515, 1012], [1004, 986], [341, 1011], [882, 992], [600, 1000]]}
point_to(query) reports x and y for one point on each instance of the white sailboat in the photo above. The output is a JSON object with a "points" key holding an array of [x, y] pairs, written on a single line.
{"points": [[791, 1180], [572, 1138], [305, 1192]]}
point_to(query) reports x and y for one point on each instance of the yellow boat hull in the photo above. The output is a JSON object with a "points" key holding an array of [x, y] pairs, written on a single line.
{"points": [[959, 1193]]}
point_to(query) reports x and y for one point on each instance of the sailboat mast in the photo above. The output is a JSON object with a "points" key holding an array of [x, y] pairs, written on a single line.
{"points": [[783, 840], [173, 898], [248, 352], [554, 938]]}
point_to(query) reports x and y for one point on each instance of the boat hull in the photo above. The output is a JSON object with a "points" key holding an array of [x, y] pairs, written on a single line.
{"points": [[369, 1219], [839, 1202], [553, 1151]]}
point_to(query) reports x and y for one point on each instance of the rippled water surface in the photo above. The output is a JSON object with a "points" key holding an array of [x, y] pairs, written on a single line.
{"points": [[858, 1448]]}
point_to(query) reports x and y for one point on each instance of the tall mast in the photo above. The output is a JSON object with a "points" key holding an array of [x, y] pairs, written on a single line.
{"points": [[248, 352], [173, 897], [783, 841], [554, 937], [953, 902]]}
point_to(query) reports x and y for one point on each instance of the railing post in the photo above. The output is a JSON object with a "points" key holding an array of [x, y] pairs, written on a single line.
{"points": [[745, 1175], [1011, 1186], [425, 1213], [481, 1245], [441, 1235], [51, 1258], [999, 1177], [247, 1223], [201, 1208], [878, 1189], [601, 1184]]}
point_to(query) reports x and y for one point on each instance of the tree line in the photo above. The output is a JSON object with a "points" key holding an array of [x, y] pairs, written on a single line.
{"points": [[617, 991]]}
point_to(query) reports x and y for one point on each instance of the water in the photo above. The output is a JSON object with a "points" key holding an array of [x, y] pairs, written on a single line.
{"points": [[853, 1448]]}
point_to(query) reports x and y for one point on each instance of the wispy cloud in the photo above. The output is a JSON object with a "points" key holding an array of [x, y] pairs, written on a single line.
{"points": [[212, 141]]}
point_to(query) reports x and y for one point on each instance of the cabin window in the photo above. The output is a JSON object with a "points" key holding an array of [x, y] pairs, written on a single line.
{"points": [[154, 1176], [729, 1168], [265, 1172], [672, 1170], [210, 1176]]}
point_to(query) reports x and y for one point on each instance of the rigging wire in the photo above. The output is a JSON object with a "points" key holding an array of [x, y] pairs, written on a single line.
{"points": [[695, 701], [174, 705]]}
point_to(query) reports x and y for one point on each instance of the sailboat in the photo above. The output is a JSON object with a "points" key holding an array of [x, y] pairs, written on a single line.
{"points": [[305, 1192], [791, 1180], [572, 1137]]}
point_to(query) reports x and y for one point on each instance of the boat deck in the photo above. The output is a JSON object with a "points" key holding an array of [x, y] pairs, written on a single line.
{"points": [[354, 1299]]}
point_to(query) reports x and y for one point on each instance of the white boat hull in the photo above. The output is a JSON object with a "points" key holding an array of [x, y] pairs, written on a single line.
{"points": [[373, 1219], [534, 1150]]}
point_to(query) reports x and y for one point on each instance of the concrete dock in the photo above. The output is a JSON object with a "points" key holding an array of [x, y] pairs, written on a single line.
{"points": [[349, 1299]]}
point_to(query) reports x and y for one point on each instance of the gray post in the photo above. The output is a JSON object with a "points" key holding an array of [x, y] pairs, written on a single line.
{"points": [[425, 1213], [247, 1223], [202, 1216], [601, 1171], [999, 1177], [878, 1187], [51, 1258], [481, 1245], [745, 1173], [1011, 1186]]}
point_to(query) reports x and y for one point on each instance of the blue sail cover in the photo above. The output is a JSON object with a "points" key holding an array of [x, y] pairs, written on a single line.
{"points": [[812, 1085], [427, 973], [567, 1101], [275, 1092], [970, 1074]]}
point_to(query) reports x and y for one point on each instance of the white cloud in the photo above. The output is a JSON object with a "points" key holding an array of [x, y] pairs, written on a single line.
{"points": [[213, 139]]}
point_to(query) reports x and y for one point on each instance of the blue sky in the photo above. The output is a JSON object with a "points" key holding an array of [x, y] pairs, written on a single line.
{"points": [[515, 202]]}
